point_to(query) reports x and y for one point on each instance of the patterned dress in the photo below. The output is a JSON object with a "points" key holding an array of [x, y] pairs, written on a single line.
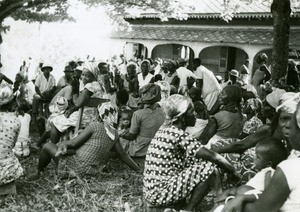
{"points": [[91, 156], [10, 168], [171, 169]]}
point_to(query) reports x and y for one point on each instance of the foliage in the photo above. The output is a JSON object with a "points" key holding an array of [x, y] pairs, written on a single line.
{"points": [[55, 10]]}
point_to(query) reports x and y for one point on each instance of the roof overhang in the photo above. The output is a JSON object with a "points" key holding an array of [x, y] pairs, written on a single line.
{"points": [[218, 34]]}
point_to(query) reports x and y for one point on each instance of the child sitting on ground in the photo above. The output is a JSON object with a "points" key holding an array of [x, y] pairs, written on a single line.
{"points": [[268, 154], [124, 122]]}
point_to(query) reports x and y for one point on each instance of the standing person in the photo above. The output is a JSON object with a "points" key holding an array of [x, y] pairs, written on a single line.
{"points": [[10, 168], [145, 122], [172, 76], [244, 72], [292, 77], [131, 84], [177, 165], [183, 73], [207, 82], [144, 77], [233, 77], [45, 86], [262, 74]]}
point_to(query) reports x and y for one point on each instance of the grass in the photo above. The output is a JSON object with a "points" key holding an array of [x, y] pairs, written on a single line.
{"points": [[117, 189]]}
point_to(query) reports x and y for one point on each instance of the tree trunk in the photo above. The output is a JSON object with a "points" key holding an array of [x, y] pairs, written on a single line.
{"points": [[281, 10]]}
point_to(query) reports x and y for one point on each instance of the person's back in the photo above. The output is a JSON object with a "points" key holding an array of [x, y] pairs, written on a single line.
{"points": [[145, 123], [230, 124], [210, 83]]}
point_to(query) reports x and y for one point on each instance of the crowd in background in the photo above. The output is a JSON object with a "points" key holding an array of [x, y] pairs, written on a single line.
{"points": [[185, 128]]}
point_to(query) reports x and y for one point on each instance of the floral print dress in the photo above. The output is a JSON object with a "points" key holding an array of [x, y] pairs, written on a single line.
{"points": [[10, 168]]}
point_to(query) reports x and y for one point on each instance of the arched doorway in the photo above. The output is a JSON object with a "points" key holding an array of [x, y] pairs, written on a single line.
{"points": [[172, 51], [222, 59]]}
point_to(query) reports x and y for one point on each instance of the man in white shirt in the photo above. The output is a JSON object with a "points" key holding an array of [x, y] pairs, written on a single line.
{"points": [[207, 82], [45, 86], [183, 73], [144, 77]]}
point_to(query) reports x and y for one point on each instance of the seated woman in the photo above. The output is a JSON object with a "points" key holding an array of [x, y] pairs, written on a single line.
{"points": [[89, 151], [283, 191], [278, 129], [10, 168], [145, 122], [177, 165], [92, 89], [228, 122]]}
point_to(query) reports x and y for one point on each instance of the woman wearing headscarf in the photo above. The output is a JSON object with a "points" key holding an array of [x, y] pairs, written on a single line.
{"points": [[10, 168], [228, 122], [146, 121], [283, 191], [89, 151], [177, 165], [91, 89], [279, 128]]}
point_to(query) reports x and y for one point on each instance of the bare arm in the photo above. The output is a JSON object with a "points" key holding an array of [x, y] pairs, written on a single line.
{"points": [[83, 97], [129, 136], [271, 199], [209, 131], [250, 141], [80, 139], [125, 157], [5, 78], [215, 158]]}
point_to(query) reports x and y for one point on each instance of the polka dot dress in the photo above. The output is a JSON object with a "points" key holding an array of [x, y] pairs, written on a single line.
{"points": [[171, 169]]}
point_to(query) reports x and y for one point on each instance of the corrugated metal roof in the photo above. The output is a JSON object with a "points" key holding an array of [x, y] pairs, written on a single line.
{"points": [[238, 35], [213, 9]]}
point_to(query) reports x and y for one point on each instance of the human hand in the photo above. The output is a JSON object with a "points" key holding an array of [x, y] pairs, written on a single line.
{"points": [[68, 112], [62, 150], [234, 205]]}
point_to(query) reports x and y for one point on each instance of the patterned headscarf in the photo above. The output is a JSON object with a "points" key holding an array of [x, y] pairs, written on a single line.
{"points": [[6, 94], [108, 114], [255, 104], [288, 102], [165, 89], [150, 94], [174, 106]]}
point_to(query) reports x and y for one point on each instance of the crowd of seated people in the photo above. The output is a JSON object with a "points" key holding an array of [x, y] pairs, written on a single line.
{"points": [[176, 122]]}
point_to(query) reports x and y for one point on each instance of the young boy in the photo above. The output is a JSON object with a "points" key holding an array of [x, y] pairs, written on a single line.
{"points": [[268, 154], [124, 122]]}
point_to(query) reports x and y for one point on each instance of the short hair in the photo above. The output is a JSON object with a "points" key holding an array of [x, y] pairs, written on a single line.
{"points": [[122, 96], [197, 61], [157, 77], [274, 150]]}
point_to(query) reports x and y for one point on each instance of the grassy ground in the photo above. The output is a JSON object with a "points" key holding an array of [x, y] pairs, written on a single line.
{"points": [[118, 189]]}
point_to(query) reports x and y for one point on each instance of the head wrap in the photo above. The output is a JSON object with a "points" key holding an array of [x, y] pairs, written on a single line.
{"points": [[234, 93], [165, 89], [274, 97], [174, 106], [255, 104], [108, 114], [288, 102], [150, 94], [234, 98], [6, 94]]}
